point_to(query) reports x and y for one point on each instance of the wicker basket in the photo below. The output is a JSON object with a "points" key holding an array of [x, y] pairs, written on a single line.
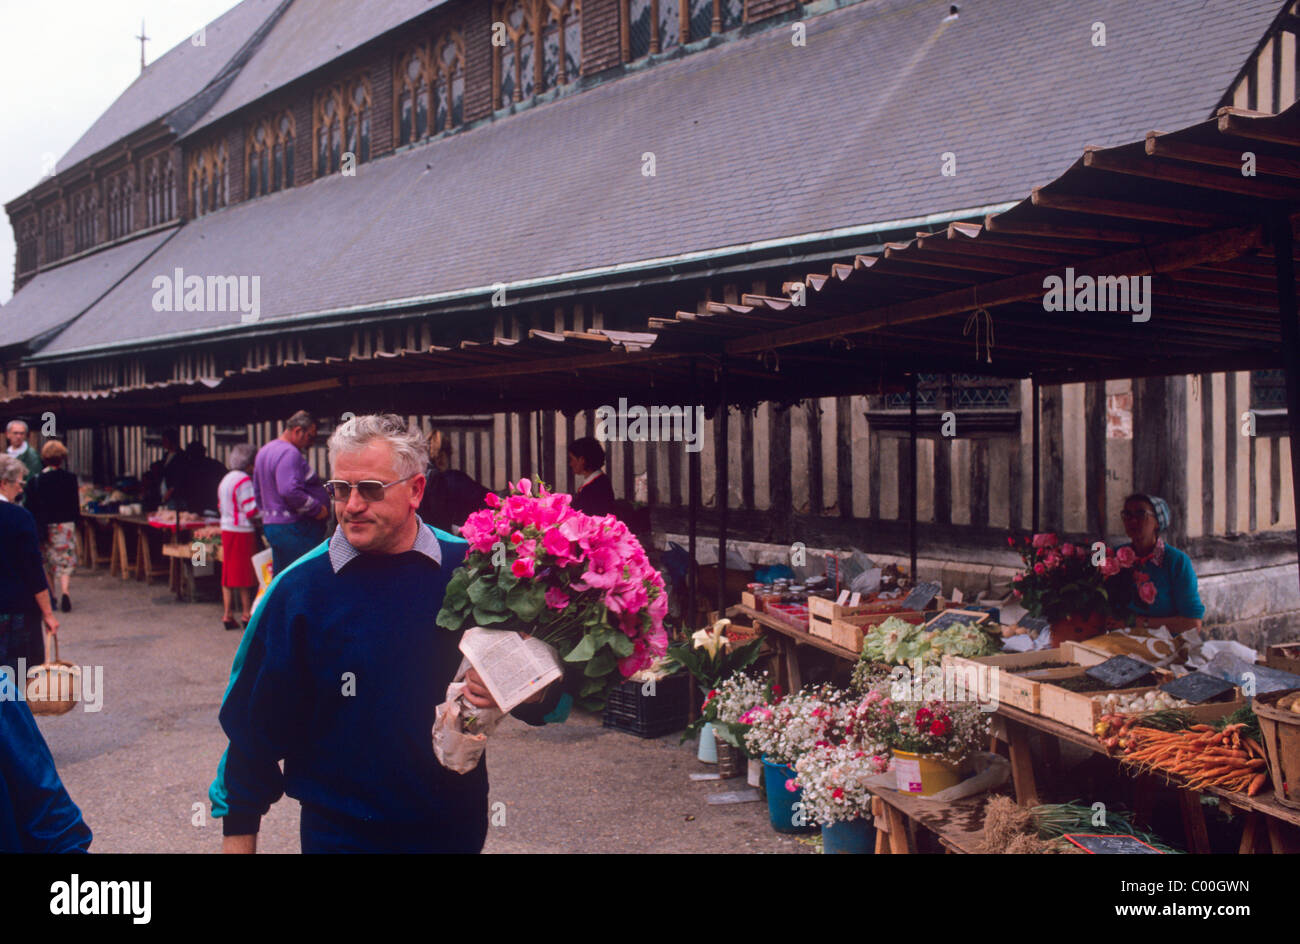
{"points": [[53, 688], [1281, 730]]}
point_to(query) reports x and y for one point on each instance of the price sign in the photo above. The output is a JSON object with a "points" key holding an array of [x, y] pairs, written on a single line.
{"points": [[921, 596], [1119, 672], [1035, 624], [1111, 845], [1197, 687]]}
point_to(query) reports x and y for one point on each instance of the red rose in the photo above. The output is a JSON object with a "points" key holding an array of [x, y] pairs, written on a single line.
{"points": [[939, 728]]}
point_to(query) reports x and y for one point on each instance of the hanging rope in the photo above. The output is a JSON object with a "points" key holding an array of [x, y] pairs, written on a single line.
{"points": [[973, 324]]}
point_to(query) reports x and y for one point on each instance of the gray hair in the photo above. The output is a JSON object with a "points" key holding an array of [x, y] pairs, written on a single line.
{"points": [[12, 423], [240, 456], [301, 420], [409, 444], [11, 470]]}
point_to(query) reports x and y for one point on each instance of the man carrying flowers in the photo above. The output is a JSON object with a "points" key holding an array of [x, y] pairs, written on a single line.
{"points": [[342, 667]]}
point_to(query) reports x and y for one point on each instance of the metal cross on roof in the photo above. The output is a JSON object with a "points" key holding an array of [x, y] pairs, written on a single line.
{"points": [[142, 37]]}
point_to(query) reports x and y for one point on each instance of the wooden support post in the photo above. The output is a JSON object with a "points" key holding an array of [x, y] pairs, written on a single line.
{"points": [[1194, 830], [912, 484], [724, 488], [1022, 764], [1284, 264], [1036, 457], [692, 519], [1249, 835]]}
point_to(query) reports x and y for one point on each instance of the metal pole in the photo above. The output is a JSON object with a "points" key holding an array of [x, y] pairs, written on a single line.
{"points": [[692, 515], [1036, 449], [1284, 263], [724, 487], [911, 503]]}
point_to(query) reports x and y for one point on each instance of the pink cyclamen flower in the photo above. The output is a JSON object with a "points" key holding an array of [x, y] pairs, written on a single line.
{"points": [[1125, 556], [1147, 592], [1052, 560], [1109, 567], [556, 598], [558, 546], [523, 568], [1068, 549], [1045, 540], [792, 786], [1039, 568], [492, 500], [525, 486]]}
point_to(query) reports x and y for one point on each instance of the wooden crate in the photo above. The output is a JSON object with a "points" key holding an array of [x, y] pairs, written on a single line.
{"points": [[823, 613], [1082, 710], [847, 631], [1284, 656], [1018, 691]]}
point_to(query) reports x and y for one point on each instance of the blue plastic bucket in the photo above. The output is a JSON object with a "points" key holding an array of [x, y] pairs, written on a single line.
{"points": [[781, 803], [854, 837], [708, 750]]}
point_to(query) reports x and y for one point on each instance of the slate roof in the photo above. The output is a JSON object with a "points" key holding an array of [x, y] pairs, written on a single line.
{"points": [[173, 78], [310, 34], [60, 294], [756, 139]]}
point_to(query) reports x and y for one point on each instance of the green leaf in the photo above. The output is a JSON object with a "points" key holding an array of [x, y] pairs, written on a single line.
{"points": [[583, 651], [601, 664], [591, 686], [506, 579], [484, 617], [485, 594], [450, 619], [622, 645], [456, 595], [526, 600]]}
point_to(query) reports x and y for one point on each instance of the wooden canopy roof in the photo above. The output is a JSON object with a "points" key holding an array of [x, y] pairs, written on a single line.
{"points": [[969, 299]]}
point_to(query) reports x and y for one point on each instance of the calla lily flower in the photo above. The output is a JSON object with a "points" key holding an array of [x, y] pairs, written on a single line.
{"points": [[712, 640]]}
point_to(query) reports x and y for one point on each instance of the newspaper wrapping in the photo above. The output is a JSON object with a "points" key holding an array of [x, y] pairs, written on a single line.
{"points": [[456, 748]]}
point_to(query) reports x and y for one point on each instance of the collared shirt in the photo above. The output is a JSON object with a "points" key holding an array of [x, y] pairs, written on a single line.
{"points": [[17, 452], [2, 497], [589, 479], [342, 552]]}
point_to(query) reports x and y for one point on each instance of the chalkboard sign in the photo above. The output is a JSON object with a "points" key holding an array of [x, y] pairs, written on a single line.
{"points": [[921, 596], [1197, 687], [1035, 624], [955, 618], [1111, 845], [1119, 672]]}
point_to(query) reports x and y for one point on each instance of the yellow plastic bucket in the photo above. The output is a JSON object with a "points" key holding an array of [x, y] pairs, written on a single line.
{"points": [[925, 774]]}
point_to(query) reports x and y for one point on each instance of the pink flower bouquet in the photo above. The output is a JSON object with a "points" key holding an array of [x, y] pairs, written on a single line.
{"points": [[581, 584]]}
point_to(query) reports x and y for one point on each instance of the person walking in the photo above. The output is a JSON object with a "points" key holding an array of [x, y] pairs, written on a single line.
{"points": [[343, 666], [290, 495], [18, 447], [238, 504], [55, 503], [36, 813], [24, 595]]}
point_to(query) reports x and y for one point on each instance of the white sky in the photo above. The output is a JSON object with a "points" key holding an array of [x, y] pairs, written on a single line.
{"points": [[62, 63]]}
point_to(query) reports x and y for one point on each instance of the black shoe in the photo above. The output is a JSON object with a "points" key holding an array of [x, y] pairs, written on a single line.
{"points": [[66, 604], [230, 624]]}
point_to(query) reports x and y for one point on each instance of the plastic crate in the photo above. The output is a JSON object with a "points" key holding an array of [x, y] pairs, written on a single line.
{"points": [[667, 710]]}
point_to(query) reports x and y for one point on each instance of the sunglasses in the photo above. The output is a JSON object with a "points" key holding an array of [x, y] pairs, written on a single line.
{"points": [[369, 490]]}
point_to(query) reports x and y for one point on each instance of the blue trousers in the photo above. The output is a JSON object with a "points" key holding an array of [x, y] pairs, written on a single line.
{"points": [[290, 541], [324, 831]]}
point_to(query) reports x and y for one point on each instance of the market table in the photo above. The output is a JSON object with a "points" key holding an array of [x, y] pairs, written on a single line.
{"points": [[790, 638], [959, 825], [1280, 823], [91, 523], [142, 567]]}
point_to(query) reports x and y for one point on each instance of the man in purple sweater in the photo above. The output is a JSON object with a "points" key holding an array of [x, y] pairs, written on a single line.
{"points": [[291, 496]]}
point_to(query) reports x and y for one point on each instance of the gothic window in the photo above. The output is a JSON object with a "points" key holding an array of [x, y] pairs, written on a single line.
{"points": [[341, 123], [543, 47], [121, 216], [269, 159], [114, 207], [654, 26], [85, 226], [450, 62], [412, 81], [169, 191], [27, 244], [54, 233], [209, 179]]}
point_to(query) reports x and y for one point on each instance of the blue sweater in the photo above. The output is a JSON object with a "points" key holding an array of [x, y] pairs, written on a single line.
{"points": [[339, 674], [36, 813], [22, 571], [1177, 592]]}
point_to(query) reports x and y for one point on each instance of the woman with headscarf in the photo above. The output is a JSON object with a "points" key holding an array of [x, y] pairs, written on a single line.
{"points": [[1165, 589]]}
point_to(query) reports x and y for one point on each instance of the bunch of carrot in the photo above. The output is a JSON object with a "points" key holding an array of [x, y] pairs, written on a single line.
{"points": [[1204, 757]]}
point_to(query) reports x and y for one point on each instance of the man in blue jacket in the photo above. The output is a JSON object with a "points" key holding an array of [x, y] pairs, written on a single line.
{"points": [[342, 667], [36, 813]]}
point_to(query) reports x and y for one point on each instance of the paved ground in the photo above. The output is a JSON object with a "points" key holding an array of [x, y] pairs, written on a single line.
{"points": [[140, 767]]}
